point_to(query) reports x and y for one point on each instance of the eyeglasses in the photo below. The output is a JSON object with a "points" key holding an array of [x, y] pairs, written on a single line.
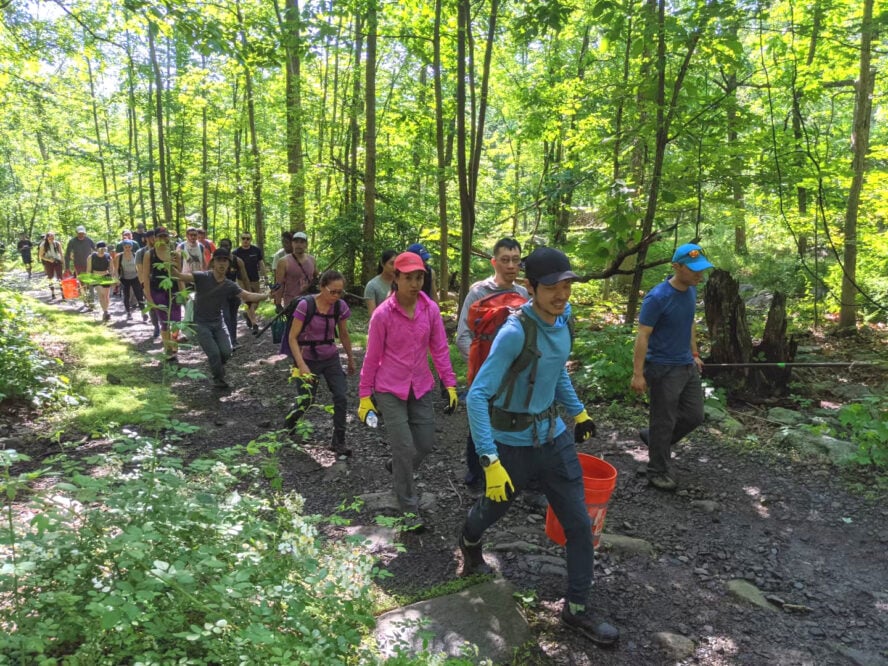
{"points": [[336, 292]]}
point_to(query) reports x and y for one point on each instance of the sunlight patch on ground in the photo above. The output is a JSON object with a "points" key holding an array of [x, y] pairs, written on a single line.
{"points": [[639, 453], [756, 494]]}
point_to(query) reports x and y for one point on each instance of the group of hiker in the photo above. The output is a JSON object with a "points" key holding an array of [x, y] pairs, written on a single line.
{"points": [[516, 341]]}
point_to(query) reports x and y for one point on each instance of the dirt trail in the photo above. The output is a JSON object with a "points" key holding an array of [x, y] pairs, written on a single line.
{"points": [[791, 529]]}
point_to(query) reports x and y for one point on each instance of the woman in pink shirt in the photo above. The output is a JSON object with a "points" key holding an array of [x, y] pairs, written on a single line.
{"points": [[404, 329]]}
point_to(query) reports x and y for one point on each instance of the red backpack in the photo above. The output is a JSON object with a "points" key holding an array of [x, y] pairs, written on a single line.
{"points": [[486, 316]]}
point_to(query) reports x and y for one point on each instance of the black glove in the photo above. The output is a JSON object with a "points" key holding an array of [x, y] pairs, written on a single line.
{"points": [[584, 427]]}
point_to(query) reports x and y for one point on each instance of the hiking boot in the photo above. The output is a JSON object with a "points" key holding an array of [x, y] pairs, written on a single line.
{"points": [[593, 627], [106, 316], [473, 558], [643, 435], [662, 481], [220, 383], [339, 447]]}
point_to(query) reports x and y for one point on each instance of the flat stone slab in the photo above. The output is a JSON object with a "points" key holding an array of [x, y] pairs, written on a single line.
{"points": [[386, 501], [374, 538], [748, 592], [626, 545], [484, 615]]}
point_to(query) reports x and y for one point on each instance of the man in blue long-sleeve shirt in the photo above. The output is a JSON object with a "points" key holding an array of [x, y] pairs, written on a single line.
{"points": [[519, 436]]}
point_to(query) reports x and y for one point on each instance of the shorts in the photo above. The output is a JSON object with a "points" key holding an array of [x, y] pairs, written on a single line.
{"points": [[165, 311]]}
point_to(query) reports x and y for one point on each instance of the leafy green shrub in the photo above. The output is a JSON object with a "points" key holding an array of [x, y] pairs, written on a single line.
{"points": [[605, 362], [866, 424], [153, 563], [26, 372]]}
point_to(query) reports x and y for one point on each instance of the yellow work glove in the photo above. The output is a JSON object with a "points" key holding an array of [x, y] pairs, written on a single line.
{"points": [[452, 400], [365, 407], [584, 427], [499, 483]]}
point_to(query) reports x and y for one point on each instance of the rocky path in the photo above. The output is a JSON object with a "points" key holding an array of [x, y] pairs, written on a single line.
{"points": [[758, 559]]}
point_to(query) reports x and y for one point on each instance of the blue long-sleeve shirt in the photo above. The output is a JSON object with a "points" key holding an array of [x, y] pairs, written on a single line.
{"points": [[552, 382]]}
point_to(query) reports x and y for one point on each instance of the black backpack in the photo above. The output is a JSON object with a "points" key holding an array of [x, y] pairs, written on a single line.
{"points": [[311, 309]]}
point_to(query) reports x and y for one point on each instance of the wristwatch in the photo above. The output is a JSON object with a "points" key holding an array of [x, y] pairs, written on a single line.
{"points": [[488, 460]]}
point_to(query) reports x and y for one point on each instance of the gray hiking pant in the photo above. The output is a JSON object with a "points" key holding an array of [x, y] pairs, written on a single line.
{"points": [[213, 339], [676, 395], [410, 426]]}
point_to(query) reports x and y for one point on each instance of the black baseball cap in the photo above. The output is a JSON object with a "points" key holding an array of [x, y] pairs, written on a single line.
{"points": [[221, 253], [546, 265]]}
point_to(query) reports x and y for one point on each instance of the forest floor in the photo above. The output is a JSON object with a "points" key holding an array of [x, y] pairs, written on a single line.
{"points": [[811, 538]]}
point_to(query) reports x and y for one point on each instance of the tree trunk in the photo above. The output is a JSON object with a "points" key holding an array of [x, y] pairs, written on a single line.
{"points": [[95, 115], [466, 208], [731, 342], [863, 107], [161, 141], [255, 155], [289, 26], [440, 174], [665, 114], [368, 263]]}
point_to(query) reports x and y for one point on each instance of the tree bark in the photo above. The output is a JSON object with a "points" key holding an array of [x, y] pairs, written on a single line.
{"points": [[863, 107], [368, 263], [289, 25], [440, 174], [163, 172]]}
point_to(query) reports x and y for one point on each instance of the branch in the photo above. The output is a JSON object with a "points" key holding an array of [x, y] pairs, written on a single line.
{"points": [[614, 267]]}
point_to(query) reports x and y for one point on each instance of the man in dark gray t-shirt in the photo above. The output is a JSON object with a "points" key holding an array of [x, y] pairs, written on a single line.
{"points": [[211, 293]]}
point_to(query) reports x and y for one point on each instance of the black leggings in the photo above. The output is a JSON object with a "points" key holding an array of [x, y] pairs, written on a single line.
{"points": [[136, 287]]}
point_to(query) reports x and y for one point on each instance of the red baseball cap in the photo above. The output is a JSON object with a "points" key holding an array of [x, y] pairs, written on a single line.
{"points": [[407, 262]]}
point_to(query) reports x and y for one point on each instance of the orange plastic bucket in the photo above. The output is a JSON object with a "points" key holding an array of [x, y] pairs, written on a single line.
{"points": [[70, 288], [599, 481]]}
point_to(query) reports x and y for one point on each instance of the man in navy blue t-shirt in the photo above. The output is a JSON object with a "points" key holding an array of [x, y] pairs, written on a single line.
{"points": [[666, 362]]}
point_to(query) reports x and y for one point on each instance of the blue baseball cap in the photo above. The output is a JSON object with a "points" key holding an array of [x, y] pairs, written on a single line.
{"points": [[419, 248], [692, 256]]}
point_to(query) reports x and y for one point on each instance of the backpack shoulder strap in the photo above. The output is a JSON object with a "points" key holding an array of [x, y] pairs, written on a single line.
{"points": [[529, 356], [310, 308]]}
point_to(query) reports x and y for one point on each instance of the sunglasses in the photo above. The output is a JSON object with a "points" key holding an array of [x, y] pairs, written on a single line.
{"points": [[246, 238]]}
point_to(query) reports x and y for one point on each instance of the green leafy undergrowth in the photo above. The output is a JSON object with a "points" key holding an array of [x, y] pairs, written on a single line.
{"points": [[27, 372], [604, 360], [98, 353], [157, 562], [866, 424]]}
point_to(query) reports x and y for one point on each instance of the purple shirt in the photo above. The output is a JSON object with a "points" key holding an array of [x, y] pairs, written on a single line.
{"points": [[321, 327], [398, 348]]}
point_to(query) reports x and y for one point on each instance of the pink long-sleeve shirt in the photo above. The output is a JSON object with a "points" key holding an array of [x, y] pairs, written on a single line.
{"points": [[398, 348]]}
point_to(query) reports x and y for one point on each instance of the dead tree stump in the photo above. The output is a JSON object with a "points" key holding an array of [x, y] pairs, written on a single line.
{"points": [[731, 342]]}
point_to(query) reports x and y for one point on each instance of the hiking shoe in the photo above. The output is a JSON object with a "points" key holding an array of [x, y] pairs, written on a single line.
{"points": [[341, 450], [662, 481], [476, 487], [593, 627], [473, 558], [220, 383], [106, 316]]}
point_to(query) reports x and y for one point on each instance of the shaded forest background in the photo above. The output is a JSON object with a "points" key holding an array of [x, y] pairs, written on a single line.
{"points": [[613, 129]]}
